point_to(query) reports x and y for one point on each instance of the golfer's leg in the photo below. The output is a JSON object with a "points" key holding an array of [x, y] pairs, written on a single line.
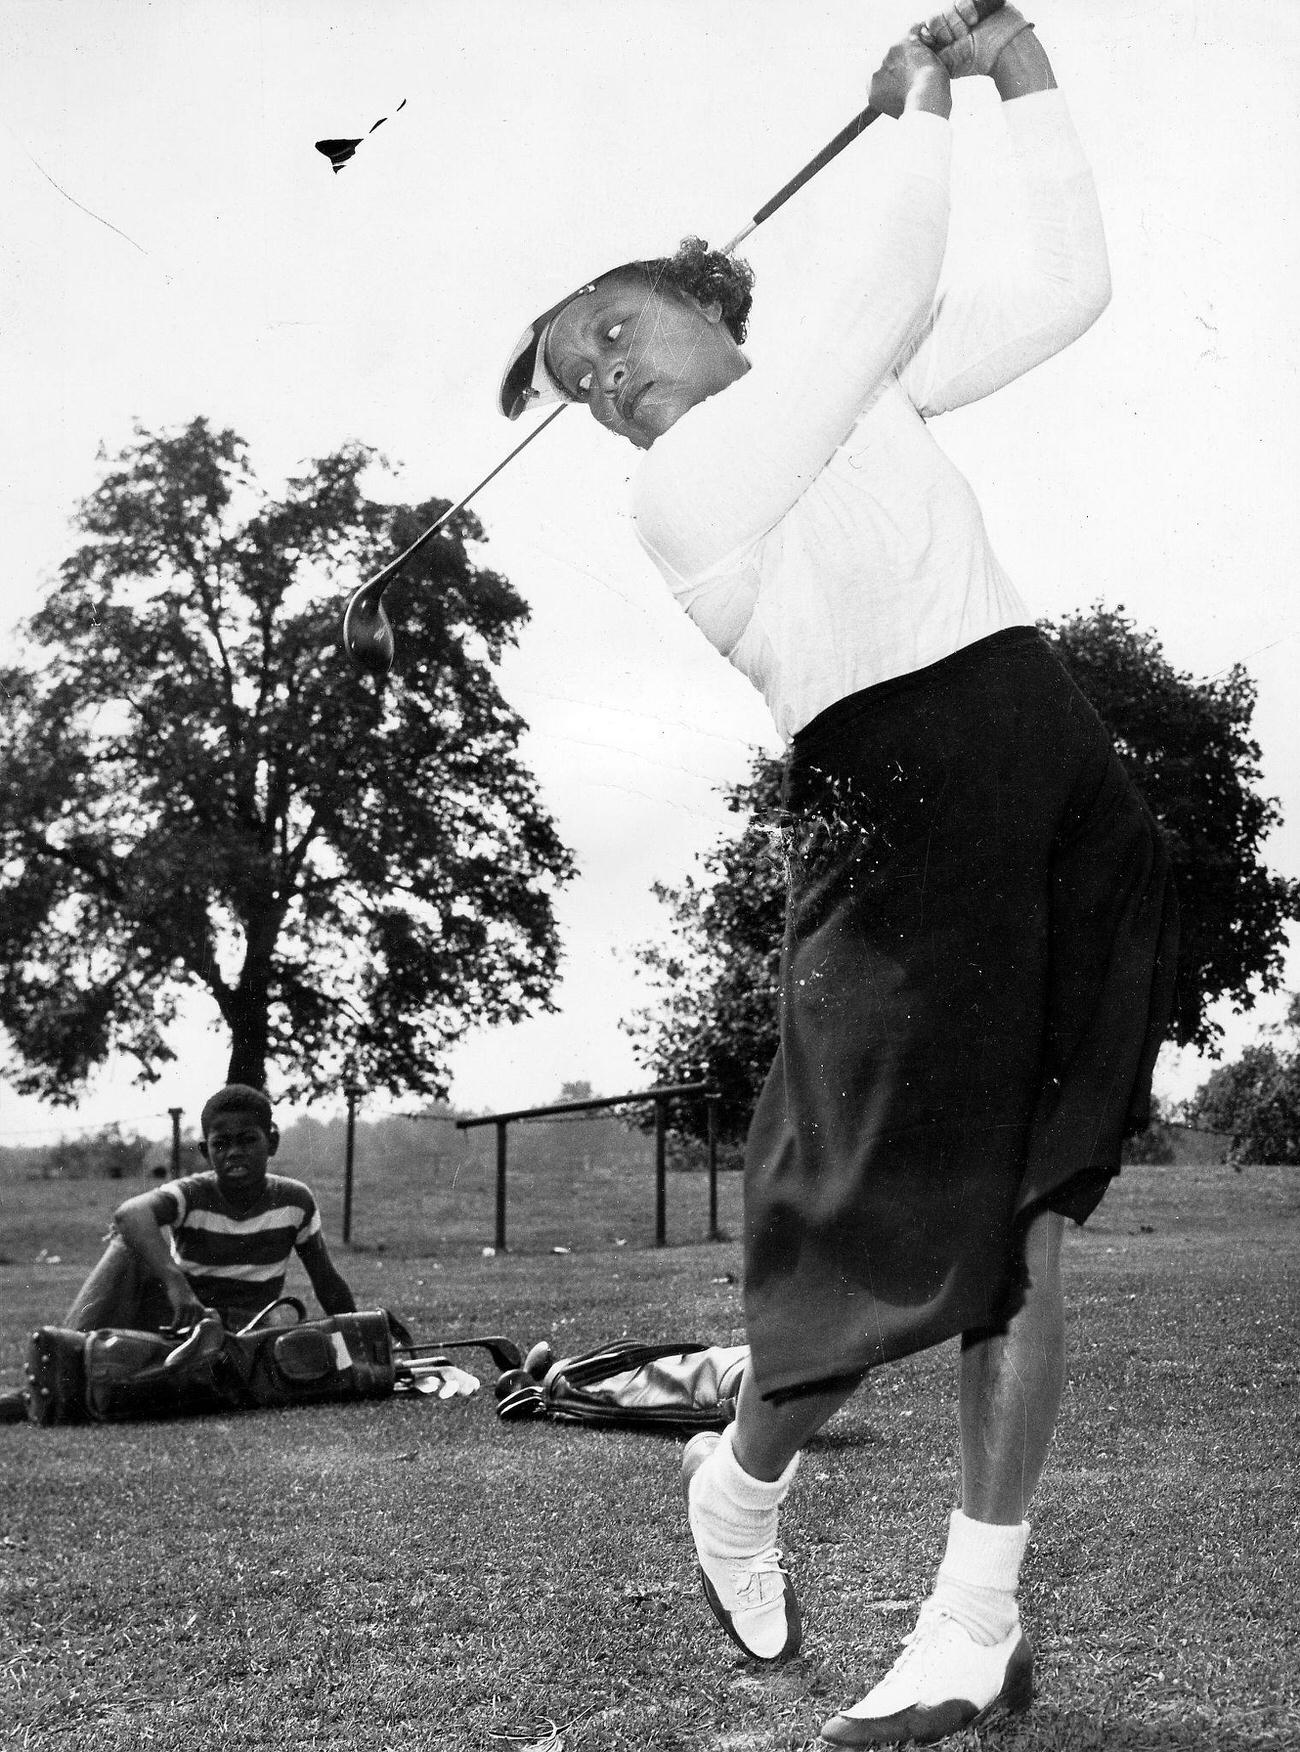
{"points": [[765, 1437], [735, 1486], [967, 1653], [112, 1295], [1011, 1391]]}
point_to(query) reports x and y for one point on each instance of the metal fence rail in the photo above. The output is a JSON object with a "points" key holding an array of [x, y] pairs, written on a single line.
{"points": [[660, 1097]]}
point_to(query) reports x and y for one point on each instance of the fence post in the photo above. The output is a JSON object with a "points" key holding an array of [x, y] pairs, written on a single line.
{"points": [[711, 1107], [501, 1186], [353, 1094], [661, 1174], [176, 1141]]}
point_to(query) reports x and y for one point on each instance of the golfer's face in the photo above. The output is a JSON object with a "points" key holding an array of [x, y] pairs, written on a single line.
{"points": [[238, 1150], [640, 359]]}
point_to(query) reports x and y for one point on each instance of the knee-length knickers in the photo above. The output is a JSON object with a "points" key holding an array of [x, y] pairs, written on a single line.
{"points": [[976, 975]]}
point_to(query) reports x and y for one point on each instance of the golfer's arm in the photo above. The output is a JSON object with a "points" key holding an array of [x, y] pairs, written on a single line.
{"points": [[137, 1223], [331, 1290], [1022, 68], [735, 465], [1048, 284]]}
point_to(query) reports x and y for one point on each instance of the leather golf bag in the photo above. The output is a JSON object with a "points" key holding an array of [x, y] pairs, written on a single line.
{"points": [[112, 1376], [673, 1386]]}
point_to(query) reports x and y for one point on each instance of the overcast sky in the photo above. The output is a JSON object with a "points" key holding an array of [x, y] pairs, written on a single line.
{"points": [[171, 244]]}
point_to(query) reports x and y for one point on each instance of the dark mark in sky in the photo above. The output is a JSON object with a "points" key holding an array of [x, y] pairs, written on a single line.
{"points": [[339, 151]]}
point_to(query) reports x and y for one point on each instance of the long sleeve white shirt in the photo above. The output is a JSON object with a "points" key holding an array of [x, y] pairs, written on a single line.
{"points": [[804, 517]]}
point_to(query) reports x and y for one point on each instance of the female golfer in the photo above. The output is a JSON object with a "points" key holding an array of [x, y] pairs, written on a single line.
{"points": [[979, 941]]}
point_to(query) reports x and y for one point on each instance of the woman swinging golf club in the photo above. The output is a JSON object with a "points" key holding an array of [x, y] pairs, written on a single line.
{"points": [[979, 944]]}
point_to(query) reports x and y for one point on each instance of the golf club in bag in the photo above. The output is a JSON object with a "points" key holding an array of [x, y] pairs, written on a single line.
{"points": [[114, 1375], [670, 1386], [367, 628]]}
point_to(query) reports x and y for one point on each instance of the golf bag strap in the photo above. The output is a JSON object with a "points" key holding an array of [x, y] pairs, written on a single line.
{"points": [[264, 1314]]}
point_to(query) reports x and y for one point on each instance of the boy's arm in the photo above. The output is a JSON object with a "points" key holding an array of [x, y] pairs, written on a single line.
{"points": [[331, 1288], [138, 1223]]}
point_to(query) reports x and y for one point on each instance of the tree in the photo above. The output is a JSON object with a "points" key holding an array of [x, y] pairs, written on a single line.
{"points": [[1257, 1097], [717, 980], [199, 791], [1187, 744]]}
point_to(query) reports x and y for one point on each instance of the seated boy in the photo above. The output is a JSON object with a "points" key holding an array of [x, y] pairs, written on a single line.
{"points": [[232, 1231]]}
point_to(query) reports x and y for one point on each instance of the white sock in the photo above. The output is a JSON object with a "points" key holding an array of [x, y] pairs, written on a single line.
{"points": [[741, 1511], [979, 1575]]}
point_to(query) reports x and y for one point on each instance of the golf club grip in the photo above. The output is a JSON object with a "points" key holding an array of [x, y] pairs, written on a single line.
{"points": [[833, 148]]}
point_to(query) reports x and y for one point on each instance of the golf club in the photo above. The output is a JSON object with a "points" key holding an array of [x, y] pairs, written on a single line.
{"points": [[367, 629], [505, 1353]]}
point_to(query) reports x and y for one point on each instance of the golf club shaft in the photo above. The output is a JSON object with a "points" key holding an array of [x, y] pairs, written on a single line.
{"points": [[505, 1353], [374, 588], [832, 149]]}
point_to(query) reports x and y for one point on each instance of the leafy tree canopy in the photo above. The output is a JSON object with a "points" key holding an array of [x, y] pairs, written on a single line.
{"points": [[1188, 745], [1256, 1098], [199, 791]]}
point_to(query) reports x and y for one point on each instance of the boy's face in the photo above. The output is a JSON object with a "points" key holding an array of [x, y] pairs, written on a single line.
{"points": [[238, 1149]]}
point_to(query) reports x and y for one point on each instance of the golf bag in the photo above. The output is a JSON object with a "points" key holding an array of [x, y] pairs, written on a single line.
{"points": [[111, 1375], [672, 1386]]}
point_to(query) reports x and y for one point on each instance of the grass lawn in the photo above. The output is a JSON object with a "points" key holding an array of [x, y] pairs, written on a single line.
{"points": [[407, 1575]]}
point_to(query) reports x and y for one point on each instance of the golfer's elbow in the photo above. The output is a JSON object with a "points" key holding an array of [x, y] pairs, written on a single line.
{"points": [[1089, 276], [1095, 292], [1082, 299]]}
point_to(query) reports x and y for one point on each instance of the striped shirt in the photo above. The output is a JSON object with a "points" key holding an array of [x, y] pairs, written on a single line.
{"points": [[236, 1259]]}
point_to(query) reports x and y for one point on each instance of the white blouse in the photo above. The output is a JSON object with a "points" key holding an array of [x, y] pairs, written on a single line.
{"points": [[805, 518]]}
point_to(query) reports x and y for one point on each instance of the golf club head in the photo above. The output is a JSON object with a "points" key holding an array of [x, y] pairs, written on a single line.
{"points": [[505, 1353], [510, 1382], [539, 1359], [522, 1405], [368, 633]]}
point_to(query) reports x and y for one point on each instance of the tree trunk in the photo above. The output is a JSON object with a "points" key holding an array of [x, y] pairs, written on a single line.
{"points": [[248, 1014], [248, 1039]]}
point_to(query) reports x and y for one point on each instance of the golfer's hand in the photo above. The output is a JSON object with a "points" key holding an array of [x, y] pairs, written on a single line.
{"points": [[911, 76], [964, 44]]}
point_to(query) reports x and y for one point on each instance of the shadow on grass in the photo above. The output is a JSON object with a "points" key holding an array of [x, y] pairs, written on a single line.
{"points": [[846, 1435]]}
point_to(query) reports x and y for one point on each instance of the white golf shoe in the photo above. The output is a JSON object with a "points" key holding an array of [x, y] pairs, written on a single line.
{"points": [[942, 1682], [751, 1596]]}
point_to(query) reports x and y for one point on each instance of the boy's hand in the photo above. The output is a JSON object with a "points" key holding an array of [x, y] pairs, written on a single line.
{"points": [[187, 1310], [966, 45], [911, 76]]}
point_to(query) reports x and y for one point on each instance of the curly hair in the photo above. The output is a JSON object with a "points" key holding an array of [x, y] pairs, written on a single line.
{"points": [[708, 276], [236, 1098]]}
